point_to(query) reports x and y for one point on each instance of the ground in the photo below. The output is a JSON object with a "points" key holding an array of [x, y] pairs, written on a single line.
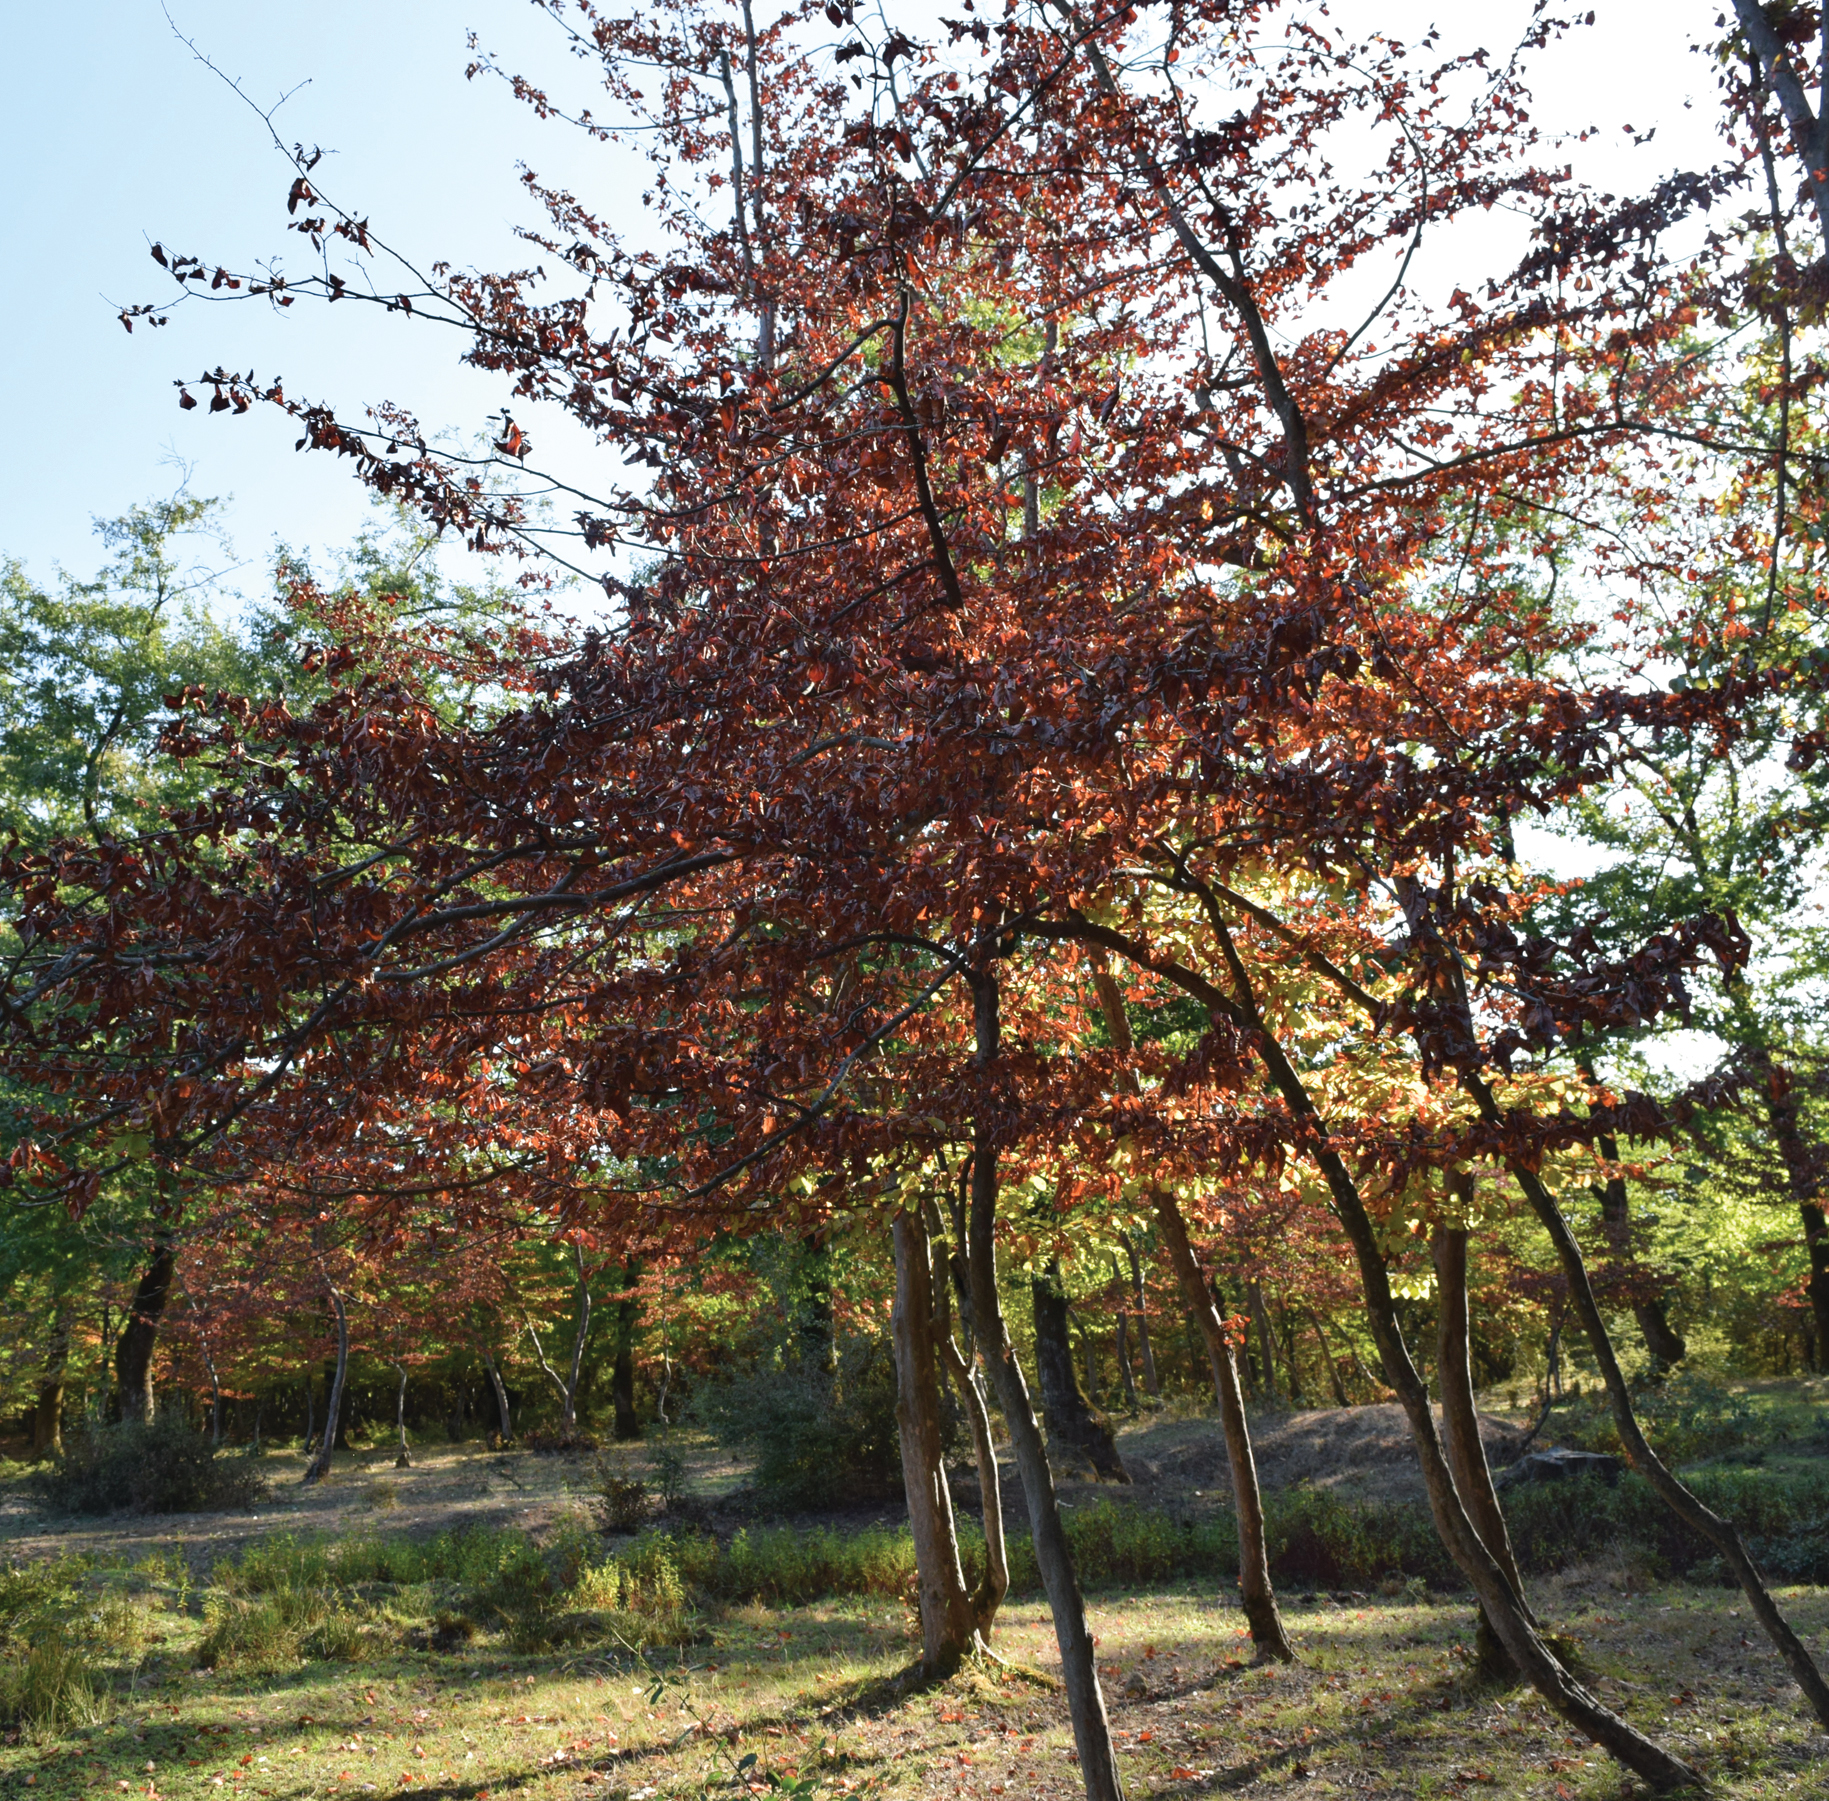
{"points": [[1381, 1703], [1383, 1700]]}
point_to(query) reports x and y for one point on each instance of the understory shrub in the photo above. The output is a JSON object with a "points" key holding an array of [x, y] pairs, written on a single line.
{"points": [[162, 1467], [1686, 1416], [819, 1438]]}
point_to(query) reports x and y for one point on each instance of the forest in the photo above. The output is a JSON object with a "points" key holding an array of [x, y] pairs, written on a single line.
{"points": [[1111, 772]]}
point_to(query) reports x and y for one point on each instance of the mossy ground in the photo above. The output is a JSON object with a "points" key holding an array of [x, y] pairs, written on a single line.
{"points": [[1383, 1702]]}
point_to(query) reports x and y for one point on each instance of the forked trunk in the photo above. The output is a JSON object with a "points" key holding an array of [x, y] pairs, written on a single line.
{"points": [[1152, 1383], [1053, 1557], [1674, 1494], [1260, 1318], [499, 1389], [994, 1584], [948, 1626], [319, 1466], [1259, 1596]]}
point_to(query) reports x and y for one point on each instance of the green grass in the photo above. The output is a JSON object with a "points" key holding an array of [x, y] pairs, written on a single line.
{"points": [[1383, 1696]]}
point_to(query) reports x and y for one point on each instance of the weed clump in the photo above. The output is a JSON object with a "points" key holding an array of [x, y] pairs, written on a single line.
{"points": [[50, 1687], [161, 1467]]}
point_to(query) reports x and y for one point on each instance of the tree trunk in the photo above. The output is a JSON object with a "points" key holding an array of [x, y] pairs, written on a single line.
{"points": [[1260, 1318], [319, 1467], [48, 1413], [1535, 1660], [948, 1628], [1075, 1431], [622, 1372], [1151, 1383], [994, 1584], [1460, 1418], [1327, 1360], [404, 1461], [567, 1385], [1053, 1558], [1675, 1495], [1461, 1427], [1120, 1344], [500, 1391], [1803, 1171], [311, 1412], [1662, 1339], [139, 1336], [1261, 1613]]}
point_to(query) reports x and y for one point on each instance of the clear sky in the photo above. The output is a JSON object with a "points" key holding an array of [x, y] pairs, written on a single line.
{"points": [[113, 135]]}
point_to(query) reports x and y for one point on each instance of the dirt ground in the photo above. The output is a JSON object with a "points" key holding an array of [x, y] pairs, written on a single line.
{"points": [[1175, 1463]]}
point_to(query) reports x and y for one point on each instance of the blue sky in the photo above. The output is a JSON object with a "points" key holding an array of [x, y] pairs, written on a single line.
{"points": [[113, 135]]}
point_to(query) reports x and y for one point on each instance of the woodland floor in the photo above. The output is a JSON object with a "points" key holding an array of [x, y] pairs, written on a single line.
{"points": [[1382, 1702]]}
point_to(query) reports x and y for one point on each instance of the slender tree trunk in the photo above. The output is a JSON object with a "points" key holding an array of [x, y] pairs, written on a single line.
{"points": [[1120, 1344], [622, 1373], [500, 1390], [1259, 1595], [1460, 1417], [948, 1626], [1675, 1495], [133, 1350], [567, 1385], [1075, 1430], [1533, 1657], [1804, 1172], [1260, 1318], [48, 1412], [1327, 1360], [404, 1460], [1461, 1427], [319, 1467], [1152, 1385], [1053, 1557], [311, 1412], [994, 1584], [1662, 1339]]}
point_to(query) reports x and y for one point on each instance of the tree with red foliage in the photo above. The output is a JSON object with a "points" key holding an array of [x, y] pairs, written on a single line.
{"points": [[1040, 516]]}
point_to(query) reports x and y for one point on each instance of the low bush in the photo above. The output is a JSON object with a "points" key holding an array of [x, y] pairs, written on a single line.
{"points": [[819, 1439], [1685, 1417], [163, 1467]]}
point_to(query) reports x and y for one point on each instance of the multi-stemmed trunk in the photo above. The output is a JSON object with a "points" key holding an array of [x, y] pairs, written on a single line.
{"points": [[1672, 1491], [1053, 1557], [949, 1277], [1259, 1596], [568, 1384], [1152, 1383], [949, 1626], [1504, 1607]]}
